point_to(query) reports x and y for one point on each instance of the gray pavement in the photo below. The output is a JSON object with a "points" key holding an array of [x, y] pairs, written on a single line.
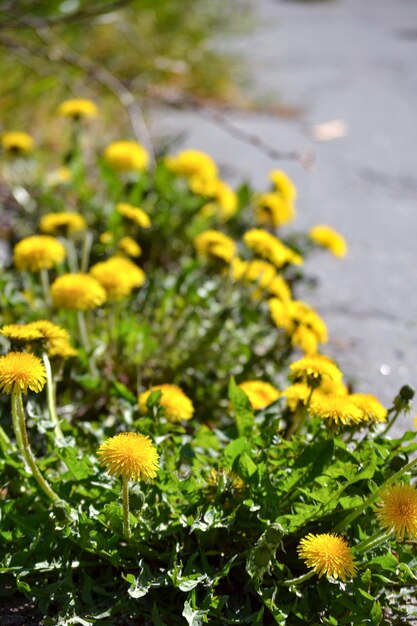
{"points": [[354, 61]]}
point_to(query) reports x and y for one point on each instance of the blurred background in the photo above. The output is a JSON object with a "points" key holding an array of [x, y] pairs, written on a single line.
{"points": [[325, 90]]}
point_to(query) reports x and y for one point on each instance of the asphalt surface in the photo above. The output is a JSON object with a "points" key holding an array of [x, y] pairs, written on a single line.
{"points": [[352, 61]]}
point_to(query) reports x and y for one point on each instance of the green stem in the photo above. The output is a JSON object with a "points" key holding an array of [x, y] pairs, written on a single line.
{"points": [[15, 420], [373, 542], [391, 422], [301, 579], [350, 518], [72, 256], [126, 521], [46, 289], [50, 396], [82, 328], [86, 249], [17, 406]]}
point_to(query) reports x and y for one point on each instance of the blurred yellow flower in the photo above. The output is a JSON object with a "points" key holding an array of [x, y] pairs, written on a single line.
{"points": [[20, 333], [272, 209], [56, 338], [135, 214], [78, 108], [129, 246], [38, 252], [192, 164], [327, 237], [223, 203], [129, 455], [78, 292], [176, 404], [62, 223], [305, 327], [20, 371], [118, 276], [126, 156], [283, 185], [17, 142], [398, 510], [260, 393], [213, 243], [328, 554], [270, 247]]}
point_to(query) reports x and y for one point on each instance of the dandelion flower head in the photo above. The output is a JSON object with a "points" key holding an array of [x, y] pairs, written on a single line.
{"points": [[192, 164], [398, 510], [118, 276], [215, 244], [38, 252], [273, 209], [176, 404], [77, 292], [20, 371], [370, 406], [134, 214], [328, 554], [260, 393], [78, 108], [315, 367], [270, 247], [283, 185], [130, 456], [21, 333], [16, 142], [126, 156], [62, 223], [338, 410], [129, 246], [327, 237]]}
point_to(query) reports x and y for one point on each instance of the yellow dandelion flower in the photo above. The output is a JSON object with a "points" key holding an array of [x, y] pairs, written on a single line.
{"points": [[329, 555], [333, 388], [20, 371], [224, 200], [213, 243], [129, 246], [135, 214], [126, 156], [370, 406], [327, 237], [256, 271], [62, 223], [129, 455], [316, 367], [280, 288], [77, 292], [16, 142], [272, 209], [38, 252], [305, 339], [106, 237], [304, 314], [192, 164], [398, 510], [176, 404], [57, 339], [260, 394], [21, 333], [283, 185], [296, 394], [270, 247], [78, 108], [118, 276], [339, 410]]}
